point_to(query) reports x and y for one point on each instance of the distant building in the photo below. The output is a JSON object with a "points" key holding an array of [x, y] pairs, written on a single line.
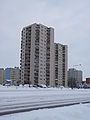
{"points": [[74, 77], [1, 75], [60, 65], [12, 74], [8, 73], [88, 81], [15, 74]]}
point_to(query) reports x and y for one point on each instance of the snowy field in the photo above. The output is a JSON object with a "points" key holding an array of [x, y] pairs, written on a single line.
{"points": [[75, 112], [10, 96]]}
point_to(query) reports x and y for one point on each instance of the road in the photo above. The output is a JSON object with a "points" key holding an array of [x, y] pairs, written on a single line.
{"points": [[14, 100]]}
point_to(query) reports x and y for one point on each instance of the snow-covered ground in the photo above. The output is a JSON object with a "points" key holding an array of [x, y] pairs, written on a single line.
{"points": [[75, 112], [10, 96]]}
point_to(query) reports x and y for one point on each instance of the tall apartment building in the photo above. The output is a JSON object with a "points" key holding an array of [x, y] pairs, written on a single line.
{"points": [[60, 64], [37, 55], [1, 75]]}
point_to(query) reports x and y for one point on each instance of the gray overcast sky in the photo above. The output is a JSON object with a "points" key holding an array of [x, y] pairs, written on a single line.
{"points": [[69, 18]]}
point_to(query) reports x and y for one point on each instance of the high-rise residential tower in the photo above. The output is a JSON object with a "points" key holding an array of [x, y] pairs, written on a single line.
{"points": [[60, 64], [37, 55]]}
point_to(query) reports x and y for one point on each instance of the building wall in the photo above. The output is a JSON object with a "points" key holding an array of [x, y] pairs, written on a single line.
{"points": [[32, 79], [42, 54], [66, 65], [1, 75], [52, 56]]}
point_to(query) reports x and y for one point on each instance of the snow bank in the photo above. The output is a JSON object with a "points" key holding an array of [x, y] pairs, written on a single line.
{"points": [[75, 112]]}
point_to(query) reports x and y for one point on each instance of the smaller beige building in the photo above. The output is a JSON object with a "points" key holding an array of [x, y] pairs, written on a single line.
{"points": [[1, 75]]}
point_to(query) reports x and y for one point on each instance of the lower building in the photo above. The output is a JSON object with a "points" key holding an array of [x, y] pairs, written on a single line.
{"points": [[12, 74], [1, 75], [88, 81], [74, 77]]}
